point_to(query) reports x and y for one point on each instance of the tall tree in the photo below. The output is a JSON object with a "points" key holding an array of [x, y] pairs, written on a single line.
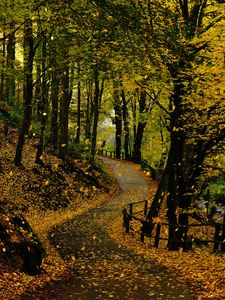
{"points": [[64, 111], [141, 126], [44, 101], [28, 88], [10, 78], [77, 138], [98, 92], [118, 116], [126, 125]]}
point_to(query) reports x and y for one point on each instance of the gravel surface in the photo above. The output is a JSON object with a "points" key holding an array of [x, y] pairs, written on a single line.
{"points": [[105, 270]]}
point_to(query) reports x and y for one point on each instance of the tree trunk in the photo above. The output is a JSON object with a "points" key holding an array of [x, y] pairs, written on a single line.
{"points": [[55, 107], [28, 88], [64, 112], [173, 178], [175, 184], [37, 100], [140, 129], [126, 126], [2, 92], [96, 105], [77, 139], [118, 117], [89, 110], [10, 79], [43, 106], [134, 113]]}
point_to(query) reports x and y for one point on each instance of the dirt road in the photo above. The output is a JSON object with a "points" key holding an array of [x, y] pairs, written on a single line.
{"points": [[104, 270]]}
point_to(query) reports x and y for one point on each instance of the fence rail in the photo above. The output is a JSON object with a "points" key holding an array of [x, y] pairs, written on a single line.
{"points": [[132, 213], [140, 215], [155, 173], [109, 153]]}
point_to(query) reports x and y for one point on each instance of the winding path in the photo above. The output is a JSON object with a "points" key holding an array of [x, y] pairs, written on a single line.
{"points": [[104, 270]]}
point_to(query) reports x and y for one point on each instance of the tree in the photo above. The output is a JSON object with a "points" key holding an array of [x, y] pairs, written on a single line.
{"points": [[141, 126], [118, 116], [10, 79], [183, 169], [28, 88], [126, 124]]}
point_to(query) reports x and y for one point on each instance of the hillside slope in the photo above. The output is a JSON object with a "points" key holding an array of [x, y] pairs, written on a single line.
{"points": [[46, 195]]}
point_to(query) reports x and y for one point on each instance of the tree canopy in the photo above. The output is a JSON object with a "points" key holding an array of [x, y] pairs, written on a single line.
{"points": [[155, 69]]}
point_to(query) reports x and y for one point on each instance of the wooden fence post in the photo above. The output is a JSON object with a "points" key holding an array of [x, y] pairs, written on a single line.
{"points": [[146, 208], [216, 237], [142, 237], [131, 210], [222, 248], [157, 236], [126, 220]]}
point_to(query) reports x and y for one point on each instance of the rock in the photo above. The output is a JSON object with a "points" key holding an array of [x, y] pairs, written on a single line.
{"points": [[18, 238]]}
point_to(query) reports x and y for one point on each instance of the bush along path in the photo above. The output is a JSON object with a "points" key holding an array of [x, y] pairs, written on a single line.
{"points": [[105, 270]]}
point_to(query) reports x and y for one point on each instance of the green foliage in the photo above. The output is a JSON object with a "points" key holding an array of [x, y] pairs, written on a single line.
{"points": [[101, 168], [216, 192], [78, 151]]}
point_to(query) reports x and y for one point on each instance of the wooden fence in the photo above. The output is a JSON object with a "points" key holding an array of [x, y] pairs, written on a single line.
{"points": [[155, 173], [133, 213], [109, 153], [137, 211]]}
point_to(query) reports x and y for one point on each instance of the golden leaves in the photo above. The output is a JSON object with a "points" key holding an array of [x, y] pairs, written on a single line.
{"points": [[156, 220], [73, 258]]}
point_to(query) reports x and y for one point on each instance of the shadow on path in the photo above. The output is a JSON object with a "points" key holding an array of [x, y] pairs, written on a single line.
{"points": [[104, 270]]}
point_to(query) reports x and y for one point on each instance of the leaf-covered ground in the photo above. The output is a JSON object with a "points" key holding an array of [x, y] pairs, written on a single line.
{"points": [[47, 196], [200, 268], [104, 269], [100, 253]]}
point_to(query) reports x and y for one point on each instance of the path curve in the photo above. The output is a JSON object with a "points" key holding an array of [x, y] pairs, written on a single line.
{"points": [[105, 270]]}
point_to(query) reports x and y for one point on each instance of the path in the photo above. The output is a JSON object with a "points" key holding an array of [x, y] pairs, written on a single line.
{"points": [[104, 270]]}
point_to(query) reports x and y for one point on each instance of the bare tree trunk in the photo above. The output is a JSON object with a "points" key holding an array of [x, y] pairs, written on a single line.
{"points": [[28, 88], [55, 107], [118, 117], [64, 115], [140, 128], [44, 95], [77, 139], [3, 63], [99, 87], [126, 126], [134, 116], [10, 79], [37, 101], [89, 110]]}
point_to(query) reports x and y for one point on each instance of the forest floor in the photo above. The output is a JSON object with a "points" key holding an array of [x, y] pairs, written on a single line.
{"points": [[104, 269], [38, 190], [47, 196]]}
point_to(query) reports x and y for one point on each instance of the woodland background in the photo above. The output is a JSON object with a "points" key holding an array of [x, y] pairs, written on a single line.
{"points": [[146, 77]]}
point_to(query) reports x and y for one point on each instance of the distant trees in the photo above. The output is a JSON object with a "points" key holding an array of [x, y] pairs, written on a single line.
{"points": [[27, 88]]}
